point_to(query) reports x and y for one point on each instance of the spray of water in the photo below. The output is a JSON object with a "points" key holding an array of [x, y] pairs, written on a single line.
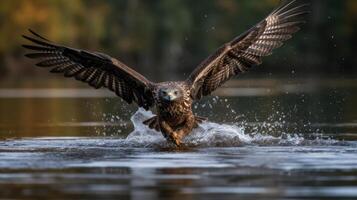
{"points": [[210, 134]]}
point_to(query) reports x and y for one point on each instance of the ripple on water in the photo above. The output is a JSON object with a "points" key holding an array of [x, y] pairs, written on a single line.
{"points": [[211, 145]]}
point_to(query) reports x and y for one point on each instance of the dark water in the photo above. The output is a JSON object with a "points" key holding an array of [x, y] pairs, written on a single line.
{"points": [[267, 140]]}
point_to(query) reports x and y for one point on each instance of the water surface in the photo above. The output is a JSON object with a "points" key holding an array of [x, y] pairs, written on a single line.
{"points": [[263, 141]]}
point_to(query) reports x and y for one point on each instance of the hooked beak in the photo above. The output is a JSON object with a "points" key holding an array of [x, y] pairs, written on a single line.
{"points": [[169, 97]]}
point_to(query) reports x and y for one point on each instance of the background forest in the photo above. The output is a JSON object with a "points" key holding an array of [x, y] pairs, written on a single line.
{"points": [[166, 39]]}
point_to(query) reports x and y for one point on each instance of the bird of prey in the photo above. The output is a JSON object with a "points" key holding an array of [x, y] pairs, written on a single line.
{"points": [[172, 100]]}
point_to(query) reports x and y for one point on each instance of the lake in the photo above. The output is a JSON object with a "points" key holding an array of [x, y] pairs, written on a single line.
{"points": [[265, 139]]}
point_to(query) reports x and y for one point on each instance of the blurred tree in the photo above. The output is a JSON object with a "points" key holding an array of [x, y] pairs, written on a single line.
{"points": [[168, 38]]}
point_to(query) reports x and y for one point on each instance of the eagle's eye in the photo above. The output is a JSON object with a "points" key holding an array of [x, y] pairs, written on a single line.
{"points": [[176, 93]]}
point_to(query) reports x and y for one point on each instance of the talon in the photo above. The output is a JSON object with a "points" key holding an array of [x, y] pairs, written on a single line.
{"points": [[176, 138], [177, 142]]}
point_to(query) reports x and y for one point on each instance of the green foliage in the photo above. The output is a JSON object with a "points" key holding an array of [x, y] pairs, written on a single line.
{"points": [[172, 36]]}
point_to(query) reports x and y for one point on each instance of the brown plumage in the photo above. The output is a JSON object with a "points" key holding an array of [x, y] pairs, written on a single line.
{"points": [[173, 100]]}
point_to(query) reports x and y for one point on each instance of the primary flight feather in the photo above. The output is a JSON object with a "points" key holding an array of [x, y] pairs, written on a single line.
{"points": [[172, 100]]}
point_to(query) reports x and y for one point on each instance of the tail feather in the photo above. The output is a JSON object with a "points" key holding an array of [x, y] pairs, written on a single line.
{"points": [[199, 120], [153, 123]]}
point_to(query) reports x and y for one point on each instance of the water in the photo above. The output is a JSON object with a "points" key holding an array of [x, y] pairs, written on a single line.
{"points": [[283, 141]]}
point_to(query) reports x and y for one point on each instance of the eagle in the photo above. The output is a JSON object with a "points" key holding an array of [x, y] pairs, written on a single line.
{"points": [[172, 101]]}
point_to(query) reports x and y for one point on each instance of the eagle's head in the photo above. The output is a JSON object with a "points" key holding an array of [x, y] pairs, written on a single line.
{"points": [[170, 93]]}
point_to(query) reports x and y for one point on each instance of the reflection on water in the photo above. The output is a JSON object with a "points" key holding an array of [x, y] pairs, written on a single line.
{"points": [[299, 107], [111, 168], [266, 140]]}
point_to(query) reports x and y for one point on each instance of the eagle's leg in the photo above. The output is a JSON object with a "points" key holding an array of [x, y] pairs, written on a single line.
{"points": [[168, 132], [153, 123], [176, 135]]}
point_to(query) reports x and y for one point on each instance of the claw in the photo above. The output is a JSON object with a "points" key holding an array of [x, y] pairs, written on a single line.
{"points": [[177, 142], [176, 137]]}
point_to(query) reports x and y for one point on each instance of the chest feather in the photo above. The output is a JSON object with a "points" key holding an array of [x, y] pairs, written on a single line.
{"points": [[175, 109]]}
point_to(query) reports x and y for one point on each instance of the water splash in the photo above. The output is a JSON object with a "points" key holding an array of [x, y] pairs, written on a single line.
{"points": [[142, 136], [210, 134]]}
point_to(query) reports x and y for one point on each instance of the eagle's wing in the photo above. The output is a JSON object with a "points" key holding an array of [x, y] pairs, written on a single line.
{"points": [[247, 49], [96, 69]]}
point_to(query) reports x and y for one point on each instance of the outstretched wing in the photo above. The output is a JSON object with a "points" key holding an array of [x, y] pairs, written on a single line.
{"points": [[247, 49], [96, 69]]}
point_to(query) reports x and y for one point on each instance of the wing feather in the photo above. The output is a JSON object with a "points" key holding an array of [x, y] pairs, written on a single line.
{"points": [[96, 69], [247, 50]]}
